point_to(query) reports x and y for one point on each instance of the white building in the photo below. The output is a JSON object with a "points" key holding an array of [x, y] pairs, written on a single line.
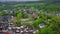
{"points": [[42, 25]]}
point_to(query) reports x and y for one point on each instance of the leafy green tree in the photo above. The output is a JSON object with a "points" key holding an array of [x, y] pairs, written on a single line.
{"points": [[37, 22], [16, 21], [25, 15], [47, 30], [1, 14], [19, 15], [16, 12]]}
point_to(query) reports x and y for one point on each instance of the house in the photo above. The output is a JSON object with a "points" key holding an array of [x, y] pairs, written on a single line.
{"points": [[30, 27], [58, 14], [23, 20], [3, 27], [6, 11], [35, 30], [30, 11], [4, 19], [25, 30], [42, 25]]}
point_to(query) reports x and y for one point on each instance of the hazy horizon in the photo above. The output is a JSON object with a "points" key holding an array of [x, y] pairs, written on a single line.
{"points": [[18, 0], [27, 0]]}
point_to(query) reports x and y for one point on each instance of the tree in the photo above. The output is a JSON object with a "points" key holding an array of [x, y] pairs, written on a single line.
{"points": [[19, 15], [25, 15], [37, 22], [16, 21], [1, 14], [16, 12], [47, 30]]}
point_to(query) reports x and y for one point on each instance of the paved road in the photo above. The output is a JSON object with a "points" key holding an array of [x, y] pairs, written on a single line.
{"points": [[2, 33]]}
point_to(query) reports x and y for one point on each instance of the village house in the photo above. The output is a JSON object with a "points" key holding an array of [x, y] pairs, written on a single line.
{"points": [[42, 25]]}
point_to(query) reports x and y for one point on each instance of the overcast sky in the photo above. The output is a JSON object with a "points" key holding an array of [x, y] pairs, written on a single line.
{"points": [[19, 0]]}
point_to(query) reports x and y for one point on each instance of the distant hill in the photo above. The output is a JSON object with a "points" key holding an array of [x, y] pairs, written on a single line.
{"points": [[56, 1], [14, 2]]}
